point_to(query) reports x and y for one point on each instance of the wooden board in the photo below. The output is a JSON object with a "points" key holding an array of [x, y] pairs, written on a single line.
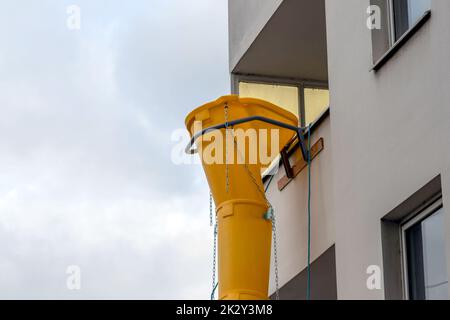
{"points": [[301, 164]]}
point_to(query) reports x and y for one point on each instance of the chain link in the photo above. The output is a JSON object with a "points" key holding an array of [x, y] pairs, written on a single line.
{"points": [[250, 174], [270, 215], [214, 262], [226, 148], [275, 256], [211, 222]]}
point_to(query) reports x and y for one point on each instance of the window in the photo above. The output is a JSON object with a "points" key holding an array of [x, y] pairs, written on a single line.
{"points": [[424, 259], [406, 13], [399, 20], [316, 102], [307, 101], [280, 95]]}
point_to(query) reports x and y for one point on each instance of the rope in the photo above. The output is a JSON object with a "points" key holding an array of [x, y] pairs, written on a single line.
{"points": [[308, 285]]}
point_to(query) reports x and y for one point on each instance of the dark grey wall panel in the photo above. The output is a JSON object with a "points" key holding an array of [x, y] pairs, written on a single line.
{"points": [[323, 280]]}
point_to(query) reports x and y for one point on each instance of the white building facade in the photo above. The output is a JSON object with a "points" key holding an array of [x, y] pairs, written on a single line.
{"points": [[372, 78]]}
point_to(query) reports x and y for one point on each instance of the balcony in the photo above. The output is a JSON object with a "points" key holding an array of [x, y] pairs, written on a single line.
{"points": [[290, 43]]}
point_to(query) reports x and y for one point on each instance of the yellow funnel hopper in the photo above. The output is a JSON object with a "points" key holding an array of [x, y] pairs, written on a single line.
{"points": [[233, 171]]}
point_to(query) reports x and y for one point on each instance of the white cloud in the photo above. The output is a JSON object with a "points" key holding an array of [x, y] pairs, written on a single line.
{"points": [[85, 147]]}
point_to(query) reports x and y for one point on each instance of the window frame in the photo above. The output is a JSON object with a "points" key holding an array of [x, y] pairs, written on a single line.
{"points": [[395, 44], [300, 84], [391, 23], [410, 221], [392, 26]]}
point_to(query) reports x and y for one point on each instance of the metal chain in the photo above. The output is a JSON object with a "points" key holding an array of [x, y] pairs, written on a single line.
{"points": [[275, 256], [250, 174], [214, 263], [270, 215], [211, 222], [226, 148], [214, 285], [214, 250], [210, 210]]}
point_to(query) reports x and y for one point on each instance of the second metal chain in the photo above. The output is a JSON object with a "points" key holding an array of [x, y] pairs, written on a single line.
{"points": [[275, 256], [270, 215], [211, 221], [226, 148], [214, 285], [270, 212]]}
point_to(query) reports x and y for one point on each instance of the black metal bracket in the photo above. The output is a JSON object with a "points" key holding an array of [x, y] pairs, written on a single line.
{"points": [[298, 130], [286, 163]]}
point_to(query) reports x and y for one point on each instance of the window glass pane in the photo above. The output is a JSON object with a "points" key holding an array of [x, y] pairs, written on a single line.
{"points": [[286, 97], [401, 21], [435, 266], [316, 102], [283, 96], [414, 250], [416, 9], [406, 14], [426, 259]]}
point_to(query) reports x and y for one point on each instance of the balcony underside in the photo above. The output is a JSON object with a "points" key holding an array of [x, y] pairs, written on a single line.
{"points": [[291, 45]]}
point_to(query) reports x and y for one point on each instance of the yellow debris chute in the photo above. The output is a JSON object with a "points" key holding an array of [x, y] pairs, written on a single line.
{"points": [[244, 232]]}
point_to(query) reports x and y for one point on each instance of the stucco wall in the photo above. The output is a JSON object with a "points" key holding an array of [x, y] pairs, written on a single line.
{"points": [[290, 207], [390, 132], [246, 18]]}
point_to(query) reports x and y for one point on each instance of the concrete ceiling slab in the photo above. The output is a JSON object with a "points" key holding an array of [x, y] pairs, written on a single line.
{"points": [[292, 44]]}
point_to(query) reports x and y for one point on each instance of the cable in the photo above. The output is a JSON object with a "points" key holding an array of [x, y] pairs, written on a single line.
{"points": [[214, 291], [268, 183], [308, 285]]}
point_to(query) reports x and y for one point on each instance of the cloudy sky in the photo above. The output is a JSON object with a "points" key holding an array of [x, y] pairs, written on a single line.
{"points": [[86, 176]]}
